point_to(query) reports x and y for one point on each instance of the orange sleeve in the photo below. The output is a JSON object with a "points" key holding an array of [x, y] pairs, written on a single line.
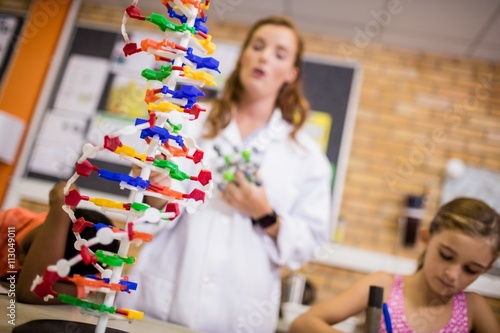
{"points": [[15, 224], [80, 292]]}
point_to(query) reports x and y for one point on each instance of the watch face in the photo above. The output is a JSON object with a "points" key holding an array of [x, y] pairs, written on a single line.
{"points": [[266, 220]]}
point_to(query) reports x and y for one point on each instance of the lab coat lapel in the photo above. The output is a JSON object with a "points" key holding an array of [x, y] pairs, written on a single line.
{"points": [[232, 133]]}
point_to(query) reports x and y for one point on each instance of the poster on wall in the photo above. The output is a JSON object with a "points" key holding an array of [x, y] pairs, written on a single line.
{"points": [[82, 85], [10, 26]]}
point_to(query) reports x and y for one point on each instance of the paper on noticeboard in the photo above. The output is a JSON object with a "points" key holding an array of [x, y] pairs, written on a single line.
{"points": [[58, 145], [11, 132], [82, 85]]}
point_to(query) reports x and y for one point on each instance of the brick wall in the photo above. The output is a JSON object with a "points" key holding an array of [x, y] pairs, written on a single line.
{"points": [[409, 100], [15, 5]]}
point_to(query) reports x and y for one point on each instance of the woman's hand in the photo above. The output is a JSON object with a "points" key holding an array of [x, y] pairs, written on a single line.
{"points": [[247, 197], [250, 199]]}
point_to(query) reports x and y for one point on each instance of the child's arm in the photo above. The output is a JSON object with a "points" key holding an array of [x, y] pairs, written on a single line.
{"points": [[47, 247], [480, 313], [353, 300]]}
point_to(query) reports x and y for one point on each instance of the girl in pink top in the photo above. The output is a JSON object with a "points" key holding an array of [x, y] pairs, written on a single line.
{"points": [[462, 243]]}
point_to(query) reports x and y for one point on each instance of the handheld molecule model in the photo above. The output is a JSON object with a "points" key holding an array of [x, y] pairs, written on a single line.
{"points": [[184, 62], [237, 160]]}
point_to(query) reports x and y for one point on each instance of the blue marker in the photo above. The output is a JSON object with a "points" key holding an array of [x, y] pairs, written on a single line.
{"points": [[387, 318]]}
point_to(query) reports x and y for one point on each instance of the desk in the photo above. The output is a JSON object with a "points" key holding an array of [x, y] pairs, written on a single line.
{"points": [[28, 312]]}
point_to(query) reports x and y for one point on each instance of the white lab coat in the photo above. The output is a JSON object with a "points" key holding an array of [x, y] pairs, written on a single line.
{"points": [[216, 272]]}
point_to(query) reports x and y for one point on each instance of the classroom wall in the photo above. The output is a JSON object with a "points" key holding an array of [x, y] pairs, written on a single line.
{"points": [[416, 111], [31, 58]]}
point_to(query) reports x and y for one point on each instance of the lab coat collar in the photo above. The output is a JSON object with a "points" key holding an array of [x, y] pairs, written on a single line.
{"points": [[275, 130], [278, 125]]}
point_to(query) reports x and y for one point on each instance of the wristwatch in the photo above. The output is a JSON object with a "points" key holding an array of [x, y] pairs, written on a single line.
{"points": [[266, 220]]}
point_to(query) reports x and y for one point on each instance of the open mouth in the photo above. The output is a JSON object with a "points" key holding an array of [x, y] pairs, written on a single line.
{"points": [[258, 73]]}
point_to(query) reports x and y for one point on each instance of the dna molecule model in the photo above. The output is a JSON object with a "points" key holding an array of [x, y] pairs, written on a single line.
{"points": [[185, 66]]}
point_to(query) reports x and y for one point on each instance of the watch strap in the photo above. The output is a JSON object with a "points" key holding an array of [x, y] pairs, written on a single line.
{"points": [[266, 220]]}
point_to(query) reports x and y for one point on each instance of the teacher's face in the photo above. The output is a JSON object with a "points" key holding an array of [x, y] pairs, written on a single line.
{"points": [[268, 61]]}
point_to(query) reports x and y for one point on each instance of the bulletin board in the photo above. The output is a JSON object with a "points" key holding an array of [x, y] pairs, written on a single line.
{"points": [[328, 86], [71, 107], [332, 87], [10, 28], [99, 90]]}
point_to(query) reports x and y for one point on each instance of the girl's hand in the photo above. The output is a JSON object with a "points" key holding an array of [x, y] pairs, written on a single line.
{"points": [[160, 178], [155, 177], [56, 195]]}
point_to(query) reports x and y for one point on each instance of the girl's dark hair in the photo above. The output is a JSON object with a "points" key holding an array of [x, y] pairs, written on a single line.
{"points": [[88, 233], [472, 217], [291, 101]]}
